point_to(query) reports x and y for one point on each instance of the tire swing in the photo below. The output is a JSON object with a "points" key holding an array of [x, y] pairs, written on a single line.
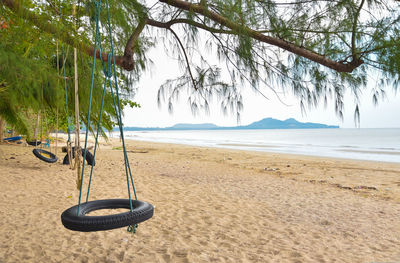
{"points": [[41, 154], [44, 155], [89, 157], [34, 143], [76, 218]]}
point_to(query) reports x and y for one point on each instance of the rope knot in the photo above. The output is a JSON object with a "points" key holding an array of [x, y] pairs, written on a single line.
{"points": [[132, 229]]}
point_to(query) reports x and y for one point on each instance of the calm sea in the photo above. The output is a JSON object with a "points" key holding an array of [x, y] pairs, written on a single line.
{"points": [[363, 144]]}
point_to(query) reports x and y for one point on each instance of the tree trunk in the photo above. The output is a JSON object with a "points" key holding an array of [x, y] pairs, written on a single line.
{"points": [[36, 128], [77, 128], [58, 81], [57, 133], [2, 124]]}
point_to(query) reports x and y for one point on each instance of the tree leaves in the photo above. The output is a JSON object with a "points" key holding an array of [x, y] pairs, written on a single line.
{"points": [[315, 48]]}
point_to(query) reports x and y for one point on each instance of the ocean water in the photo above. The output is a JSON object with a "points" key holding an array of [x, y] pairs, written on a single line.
{"points": [[363, 144]]}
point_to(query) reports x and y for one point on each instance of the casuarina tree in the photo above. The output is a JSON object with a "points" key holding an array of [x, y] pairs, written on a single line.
{"points": [[315, 49]]}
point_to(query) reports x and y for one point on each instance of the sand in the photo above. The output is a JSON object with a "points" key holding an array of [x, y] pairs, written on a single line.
{"points": [[211, 205]]}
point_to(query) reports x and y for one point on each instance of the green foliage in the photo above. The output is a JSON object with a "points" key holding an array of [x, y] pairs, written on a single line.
{"points": [[30, 83], [341, 31], [346, 32]]}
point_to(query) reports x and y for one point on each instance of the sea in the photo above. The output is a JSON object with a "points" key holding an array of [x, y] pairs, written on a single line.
{"points": [[382, 145]]}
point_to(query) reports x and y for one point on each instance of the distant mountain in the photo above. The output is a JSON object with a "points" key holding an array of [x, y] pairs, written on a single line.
{"points": [[270, 123], [267, 123]]}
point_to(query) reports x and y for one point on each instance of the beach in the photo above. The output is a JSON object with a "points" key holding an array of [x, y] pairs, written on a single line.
{"points": [[211, 205]]}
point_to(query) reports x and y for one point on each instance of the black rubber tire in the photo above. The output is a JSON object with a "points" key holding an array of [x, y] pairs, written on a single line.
{"points": [[66, 159], [34, 143], [89, 157], [38, 153], [72, 221]]}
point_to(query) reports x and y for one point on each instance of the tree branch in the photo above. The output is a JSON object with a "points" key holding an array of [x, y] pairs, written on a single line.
{"points": [[135, 35], [340, 67], [354, 33], [125, 61], [186, 58], [168, 24]]}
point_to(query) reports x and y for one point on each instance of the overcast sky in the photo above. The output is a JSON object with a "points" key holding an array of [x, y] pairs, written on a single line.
{"points": [[384, 115]]}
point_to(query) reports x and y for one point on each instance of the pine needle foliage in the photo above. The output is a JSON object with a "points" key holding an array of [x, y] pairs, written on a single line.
{"points": [[314, 49], [31, 85]]}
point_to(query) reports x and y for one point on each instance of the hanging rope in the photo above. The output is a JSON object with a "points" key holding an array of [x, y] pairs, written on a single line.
{"points": [[108, 73], [43, 155], [75, 218], [97, 136], [69, 143], [119, 114], [69, 125]]}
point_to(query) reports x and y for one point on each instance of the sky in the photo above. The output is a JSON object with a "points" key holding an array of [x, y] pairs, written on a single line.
{"points": [[256, 107]]}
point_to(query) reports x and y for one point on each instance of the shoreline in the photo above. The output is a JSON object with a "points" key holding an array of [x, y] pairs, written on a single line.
{"points": [[369, 146], [277, 152], [114, 140], [211, 205]]}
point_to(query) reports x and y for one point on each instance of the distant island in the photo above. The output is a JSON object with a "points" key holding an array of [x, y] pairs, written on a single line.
{"points": [[267, 123]]}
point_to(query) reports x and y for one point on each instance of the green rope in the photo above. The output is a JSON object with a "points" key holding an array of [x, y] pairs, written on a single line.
{"points": [[125, 155], [107, 76], [127, 166], [97, 4], [109, 72], [132, 229]]}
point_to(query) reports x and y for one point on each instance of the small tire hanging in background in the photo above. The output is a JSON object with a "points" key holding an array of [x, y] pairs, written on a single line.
{"points": [[34, 143], [81, 222], [89, 157], [42, 155]]}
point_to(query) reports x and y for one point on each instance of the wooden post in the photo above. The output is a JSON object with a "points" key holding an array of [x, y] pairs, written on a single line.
{"points": [[56, 132], [77, 128], [58, 83], [36, 127], [41, 122], [2, 124], [41, 129]]}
